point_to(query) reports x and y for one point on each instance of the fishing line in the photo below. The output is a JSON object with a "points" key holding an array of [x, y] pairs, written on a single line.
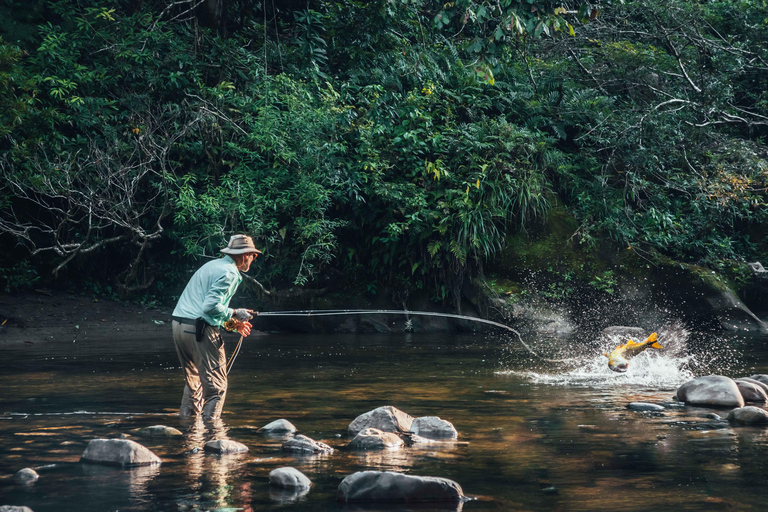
{"points": [[337, 312]]}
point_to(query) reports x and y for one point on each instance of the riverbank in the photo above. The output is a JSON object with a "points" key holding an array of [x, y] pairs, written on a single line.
{"points": [[43, 316]]}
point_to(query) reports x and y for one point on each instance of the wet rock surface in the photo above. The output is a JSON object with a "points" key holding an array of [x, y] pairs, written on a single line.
{"points": [[224, 446], [645, 407], [385, 418], [752, 391], [303, 444], [289, 478], [715, 390], [121, 452], [26, 476], [157, 431], [375, 439], [748, 415], [280, 426], [433, 427], [387, 486]]}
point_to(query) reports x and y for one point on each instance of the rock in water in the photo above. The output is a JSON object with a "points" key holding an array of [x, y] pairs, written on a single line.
{"points": [[223, 446], [289, 478], [26, 476], [303, 444], [433, 427], [761, 377], [157, 431], [278, 427], [375, 439], [121, 452], [385, 418], [748, 415], [714, 390], [645, 407], [387, 486], [752, 391], [13, 508]]}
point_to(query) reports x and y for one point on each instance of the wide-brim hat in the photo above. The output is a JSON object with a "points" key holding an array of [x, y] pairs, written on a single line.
{"points": [[240, 244]]}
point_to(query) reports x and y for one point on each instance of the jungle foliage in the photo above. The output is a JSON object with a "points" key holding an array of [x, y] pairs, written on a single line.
{"points": [[390, 142]]}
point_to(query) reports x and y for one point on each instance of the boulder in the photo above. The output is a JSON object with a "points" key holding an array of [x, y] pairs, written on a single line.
{"points": [[14, 508], [761, 377], [387, 486], [715, 390], [289, 478], [645, 407], [433, 427], [386, 419], [762, 385], [752, 391], [748, 415], [375, 439], [157, 431], [278, 427], [26, 476], [303, 444], [224, 446], [120, 452]]}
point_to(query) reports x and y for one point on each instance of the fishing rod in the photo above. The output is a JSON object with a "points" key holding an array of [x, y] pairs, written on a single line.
{"points": [[336, 312]]}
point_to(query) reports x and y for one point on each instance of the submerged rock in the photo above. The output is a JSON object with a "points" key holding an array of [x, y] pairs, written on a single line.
{"points": [[280, 426], [303, 444], [387, 486], [385, 418], [224, 446], [714, 390], [752, 391], [645, 407], [26, 476], [433, 427], [289, 478], [375, 439], [122, 452], [157, 431], [748, 415]]}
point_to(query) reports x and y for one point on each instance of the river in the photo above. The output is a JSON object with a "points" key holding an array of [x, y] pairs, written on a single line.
{"points": [[532, 435]]}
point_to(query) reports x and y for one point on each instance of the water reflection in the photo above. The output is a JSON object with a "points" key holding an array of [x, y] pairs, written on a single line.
{"points": [[115, 481], [556, 440], [403, 507], [286, 496], [208, 475]]}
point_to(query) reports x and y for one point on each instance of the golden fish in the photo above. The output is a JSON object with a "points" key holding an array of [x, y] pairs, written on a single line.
{"points": [[618, 360]]}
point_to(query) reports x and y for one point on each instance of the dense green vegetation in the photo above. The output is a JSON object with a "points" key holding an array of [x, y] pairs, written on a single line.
{"points": [[385, 143]]}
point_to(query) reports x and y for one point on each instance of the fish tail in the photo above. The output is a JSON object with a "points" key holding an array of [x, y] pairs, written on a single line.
{"points": [[656, 345], [652, 337]]}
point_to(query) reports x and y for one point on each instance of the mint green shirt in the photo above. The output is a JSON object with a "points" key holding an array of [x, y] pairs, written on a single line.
{"points": [[209, 291]]}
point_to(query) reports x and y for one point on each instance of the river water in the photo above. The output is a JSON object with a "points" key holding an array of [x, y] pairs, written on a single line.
{"points": [[532, 435]]}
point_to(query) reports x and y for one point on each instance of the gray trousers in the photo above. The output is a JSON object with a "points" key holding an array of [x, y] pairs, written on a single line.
{"points": [[205, 371]]}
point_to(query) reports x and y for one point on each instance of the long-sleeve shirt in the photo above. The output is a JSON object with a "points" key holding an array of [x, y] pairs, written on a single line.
{"points": [[209, 291]]}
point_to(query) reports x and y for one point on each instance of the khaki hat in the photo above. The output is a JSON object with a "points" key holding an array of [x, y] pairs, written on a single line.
{"points": [[240, 244]]}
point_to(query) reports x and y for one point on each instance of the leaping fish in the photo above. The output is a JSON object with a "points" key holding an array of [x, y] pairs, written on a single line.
{"points": [[618, 360]]}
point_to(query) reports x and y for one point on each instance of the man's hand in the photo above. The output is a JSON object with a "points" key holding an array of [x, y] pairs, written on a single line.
{"points": [[244, 328], [242, 315]]}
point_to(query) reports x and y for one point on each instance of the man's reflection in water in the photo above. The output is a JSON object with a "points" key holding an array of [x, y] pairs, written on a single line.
{"points": [[212, 477]]}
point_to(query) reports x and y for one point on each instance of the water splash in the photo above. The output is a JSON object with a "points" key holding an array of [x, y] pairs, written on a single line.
{"points": [[684, 357]]}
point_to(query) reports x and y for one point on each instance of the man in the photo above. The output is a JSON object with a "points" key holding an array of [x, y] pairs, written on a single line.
{"points": [[202, 309]]}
